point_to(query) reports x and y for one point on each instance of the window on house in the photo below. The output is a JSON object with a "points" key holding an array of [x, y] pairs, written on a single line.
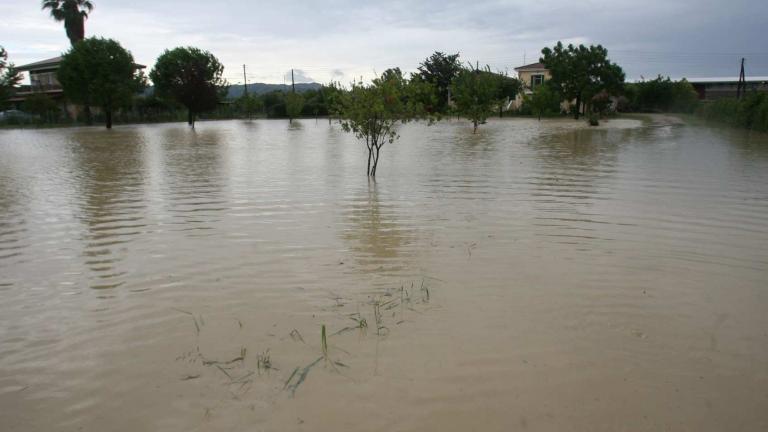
{"points": [[536, 80]]}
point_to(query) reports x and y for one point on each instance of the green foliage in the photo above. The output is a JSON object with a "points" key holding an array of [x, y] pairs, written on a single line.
{"points": [[440, 70], [543, 102], [248, 104], [9, 77], [508, 87], [42, 105], [582, 72], [294, 103], [190, 76], [751, 112], [372, 111], [73, 13], [476, 93], [99, 72], [332, 96], [661, 95]]}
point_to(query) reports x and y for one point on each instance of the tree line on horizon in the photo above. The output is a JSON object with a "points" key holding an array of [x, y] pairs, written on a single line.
{"points": [[100, 72]]}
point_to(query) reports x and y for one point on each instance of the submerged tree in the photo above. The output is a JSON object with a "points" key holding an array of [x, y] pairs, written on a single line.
{"points": [[332, 97], [544, 101], [579, 73], [294, 103], [9, 77], [190, 76], [73, 13], [441, 70], [373, 111], [476, 94], [101, 72], [248, 104]]}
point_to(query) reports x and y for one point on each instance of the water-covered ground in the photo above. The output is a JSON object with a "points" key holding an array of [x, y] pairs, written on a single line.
{"points": [[535, 276]]}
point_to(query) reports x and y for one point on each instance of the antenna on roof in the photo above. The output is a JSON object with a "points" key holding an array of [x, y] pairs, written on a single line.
{"points": [[524, 54]]}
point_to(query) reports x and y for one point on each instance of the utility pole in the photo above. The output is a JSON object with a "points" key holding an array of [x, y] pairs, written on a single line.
{"points": [[293, 84], [245, 82], [741, 88]]}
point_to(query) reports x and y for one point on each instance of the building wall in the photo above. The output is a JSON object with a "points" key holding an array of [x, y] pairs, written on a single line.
{"points": [[526, 75]]}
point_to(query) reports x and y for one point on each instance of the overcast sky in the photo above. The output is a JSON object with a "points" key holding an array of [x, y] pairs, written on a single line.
{"points": [[342, 39]]}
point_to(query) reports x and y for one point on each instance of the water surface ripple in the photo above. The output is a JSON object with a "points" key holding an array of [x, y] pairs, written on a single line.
{"points": [[580, 279]]}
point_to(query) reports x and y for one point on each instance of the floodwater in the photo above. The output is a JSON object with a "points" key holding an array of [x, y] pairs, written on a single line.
{"points": [[537, 276]]}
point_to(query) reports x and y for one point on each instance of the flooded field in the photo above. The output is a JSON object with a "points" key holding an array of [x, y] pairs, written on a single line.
{"points": [[247, 276]]}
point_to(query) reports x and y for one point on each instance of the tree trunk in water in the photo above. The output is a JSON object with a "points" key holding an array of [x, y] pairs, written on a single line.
{"points": [[370, 154], [578, 107], [87, 112], [108, 118], [191, 118], [475, 129], [375, 162]]}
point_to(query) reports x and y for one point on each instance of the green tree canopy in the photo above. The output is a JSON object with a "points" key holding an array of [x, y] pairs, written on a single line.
{"points": [[662, 94], [248, 104], [9, 77], [579, 73], [476, 93], [100, 72], [190, 76], [544, 101], [294, 103], [507, 89], [73, 13], [440, 70], [42, 105], [372, 111]]}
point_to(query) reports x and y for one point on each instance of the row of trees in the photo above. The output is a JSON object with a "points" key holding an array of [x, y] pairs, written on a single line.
{"points": [[100, 72]]}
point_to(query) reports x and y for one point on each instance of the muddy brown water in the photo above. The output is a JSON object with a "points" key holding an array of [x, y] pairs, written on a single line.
{"points": [[555, 278]]}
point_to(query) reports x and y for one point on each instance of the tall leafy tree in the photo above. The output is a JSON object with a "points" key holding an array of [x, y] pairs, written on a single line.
{"points": [[440, 70], [476, 94], [191, 77], [73, 13], [373, 111], [580, 73], [100, 72], [9, 77]]}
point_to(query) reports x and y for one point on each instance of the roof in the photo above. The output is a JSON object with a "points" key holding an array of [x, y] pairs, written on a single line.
{"points": [[41, 64], [532, 66], [53, 63]]}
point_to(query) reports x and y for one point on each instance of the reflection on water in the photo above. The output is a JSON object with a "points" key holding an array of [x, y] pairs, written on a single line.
{"points": [[375, 236], [580, 278], [109, 178]]}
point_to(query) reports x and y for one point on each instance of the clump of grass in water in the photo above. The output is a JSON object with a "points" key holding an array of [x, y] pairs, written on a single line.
{"points": [[300, 374], [264, 361]]}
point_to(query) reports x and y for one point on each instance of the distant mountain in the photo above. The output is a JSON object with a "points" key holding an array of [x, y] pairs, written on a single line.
{"points": [[236, 90]]}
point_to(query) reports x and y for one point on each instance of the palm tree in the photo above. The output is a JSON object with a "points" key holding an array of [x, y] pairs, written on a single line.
{"points": [[73, 13]]}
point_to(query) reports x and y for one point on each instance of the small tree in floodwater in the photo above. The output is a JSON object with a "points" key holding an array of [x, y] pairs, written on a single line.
{"points": [[373, 111], [476, 92], [294, 103]]}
